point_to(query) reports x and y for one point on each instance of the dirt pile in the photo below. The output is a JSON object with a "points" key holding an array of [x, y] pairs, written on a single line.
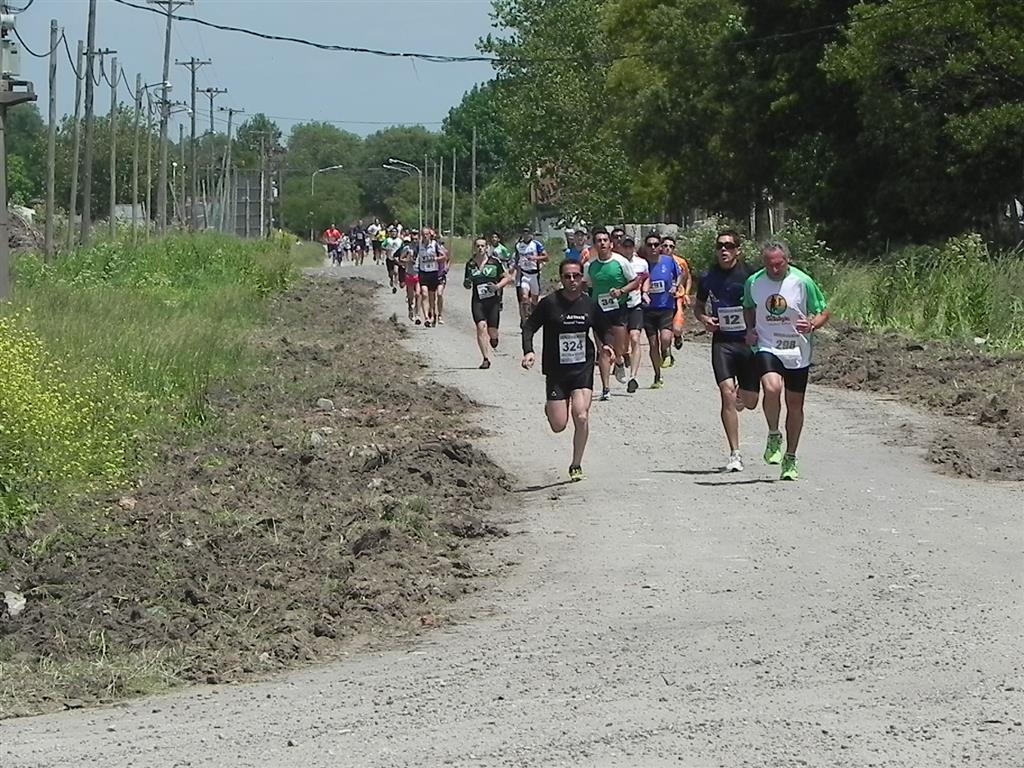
{"points": [[335, 496]]}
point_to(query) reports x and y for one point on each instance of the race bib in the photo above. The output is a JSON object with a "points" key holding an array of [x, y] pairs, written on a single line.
{"points": [[572, 348], [657, 286], [486, 290], [428, 264], [731, 320], [787, 341], [607, 302]]}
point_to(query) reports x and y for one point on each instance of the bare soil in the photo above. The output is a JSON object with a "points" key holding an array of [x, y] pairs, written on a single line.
{"points": [[287, 532]]}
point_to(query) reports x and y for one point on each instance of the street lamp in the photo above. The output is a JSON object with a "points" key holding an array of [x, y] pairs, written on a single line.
{"points": [[312, 188], [396, 161]]}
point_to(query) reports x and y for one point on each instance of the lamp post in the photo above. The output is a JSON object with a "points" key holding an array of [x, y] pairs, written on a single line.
{"points": [[312, 189], [419, 172]]}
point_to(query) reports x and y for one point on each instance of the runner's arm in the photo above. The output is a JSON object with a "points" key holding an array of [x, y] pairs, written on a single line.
{"points": [[532, 324], [467, 283]]}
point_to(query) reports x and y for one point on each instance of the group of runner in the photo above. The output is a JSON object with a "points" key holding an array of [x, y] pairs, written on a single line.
{"points": [[761, 322], [359, 240], [610, 293]]}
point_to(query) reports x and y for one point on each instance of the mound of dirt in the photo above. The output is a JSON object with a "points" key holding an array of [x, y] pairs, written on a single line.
{"points": [[334, 496]]}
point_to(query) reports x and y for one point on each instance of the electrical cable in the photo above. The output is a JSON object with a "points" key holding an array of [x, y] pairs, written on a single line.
{"points": [[16, 11], [439, 59], [29, 51], [71, 59]]}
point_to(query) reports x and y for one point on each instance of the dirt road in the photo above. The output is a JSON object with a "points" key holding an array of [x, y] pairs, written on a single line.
{"points": [[660, 613]]}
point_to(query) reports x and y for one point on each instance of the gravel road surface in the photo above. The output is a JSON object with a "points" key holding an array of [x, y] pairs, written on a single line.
{"points": [[659, 613]]}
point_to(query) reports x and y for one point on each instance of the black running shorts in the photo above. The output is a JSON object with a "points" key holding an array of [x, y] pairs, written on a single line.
{"points": [[795, 379], [561, 386], [488, 310], [657, 320], [430, 280], [735, 360], [635, 318]]}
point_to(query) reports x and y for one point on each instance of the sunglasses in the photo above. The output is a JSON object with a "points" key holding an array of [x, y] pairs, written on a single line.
{"points": [[727, 246], [572, 276]]}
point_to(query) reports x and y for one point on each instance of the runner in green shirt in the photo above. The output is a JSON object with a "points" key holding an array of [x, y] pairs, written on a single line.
{"points": [[610, 278], [485, 277]]}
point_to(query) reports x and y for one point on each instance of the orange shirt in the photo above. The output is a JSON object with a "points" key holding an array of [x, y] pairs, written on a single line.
{"points": [[683, 265]]}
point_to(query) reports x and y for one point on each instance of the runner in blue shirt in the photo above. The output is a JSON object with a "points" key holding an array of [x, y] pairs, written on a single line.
{"points": [[663, 275]]}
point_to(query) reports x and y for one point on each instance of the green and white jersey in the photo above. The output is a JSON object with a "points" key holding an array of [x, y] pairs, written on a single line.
{"points": [[777, 305], [602, 276]]}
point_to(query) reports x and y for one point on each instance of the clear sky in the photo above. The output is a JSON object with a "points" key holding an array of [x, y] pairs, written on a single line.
{"points": [[291, 82]]}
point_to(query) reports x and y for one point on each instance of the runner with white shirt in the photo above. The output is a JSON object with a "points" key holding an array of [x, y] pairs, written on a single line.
{"points": [[782, 307], [634, 313], [529, 259], [430, 259], [610, 279], [396, 274]]}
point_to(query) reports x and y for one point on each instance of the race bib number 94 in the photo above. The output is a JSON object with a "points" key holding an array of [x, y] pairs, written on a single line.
{"points": [[572, 348]]}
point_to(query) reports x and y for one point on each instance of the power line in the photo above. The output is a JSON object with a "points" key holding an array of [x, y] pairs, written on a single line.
{"points": [[71, 59], [29, 51]]}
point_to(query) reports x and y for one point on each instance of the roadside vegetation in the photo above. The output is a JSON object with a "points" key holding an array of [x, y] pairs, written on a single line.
{"points": [[115, 345]]}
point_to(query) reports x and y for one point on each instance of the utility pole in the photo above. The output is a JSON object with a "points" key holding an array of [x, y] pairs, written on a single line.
{"points": [[90, 57], [77, 152], [228, 184], [453, 193], [12, 92], [51, 144], [472, 214], [149, 163], [211, 94], [263, 185], [183, 217], [170, 6], [429, 182], [113, 148], [135, 157], [193, 65], [440, 195]]}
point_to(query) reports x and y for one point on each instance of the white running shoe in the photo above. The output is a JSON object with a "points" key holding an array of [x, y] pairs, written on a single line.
{"points": [[735, 463]]}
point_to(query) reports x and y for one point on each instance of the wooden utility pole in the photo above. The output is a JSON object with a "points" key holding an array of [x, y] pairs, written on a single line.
{"points": [[472, 214], [90, 58], [77, 142], [182, 216], [149, 163], [211, 94], [170, 6], [263, 185], [430, 190], [440, 194], [228, 183], [135, 157], [51, 144], [453, 193], [193, 65], [113, 148]]}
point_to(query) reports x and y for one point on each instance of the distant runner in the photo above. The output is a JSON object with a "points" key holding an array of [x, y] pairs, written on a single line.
{"points": [[529, 258], [359, 243], [407, 264], [719, 307], [396, 272], [634, 313], [332, 239], [429, 262], [579, 250], [485, 277], [683, 293], [567, 316], [782, 308]]}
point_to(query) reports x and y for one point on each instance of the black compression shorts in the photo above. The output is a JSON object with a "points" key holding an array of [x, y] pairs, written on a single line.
{"points": [[735, 360], [634, 318], [795, 379], [656, 320], [430, 280], [488, 310], [560, 386]]}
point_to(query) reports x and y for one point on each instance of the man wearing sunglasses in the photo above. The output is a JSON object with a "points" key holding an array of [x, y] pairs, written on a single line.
{"points": [[567, 316], [719, 307]]}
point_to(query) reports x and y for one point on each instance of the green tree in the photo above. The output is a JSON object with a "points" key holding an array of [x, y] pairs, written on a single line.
{"points": [[246, 150], [408, 143]]}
